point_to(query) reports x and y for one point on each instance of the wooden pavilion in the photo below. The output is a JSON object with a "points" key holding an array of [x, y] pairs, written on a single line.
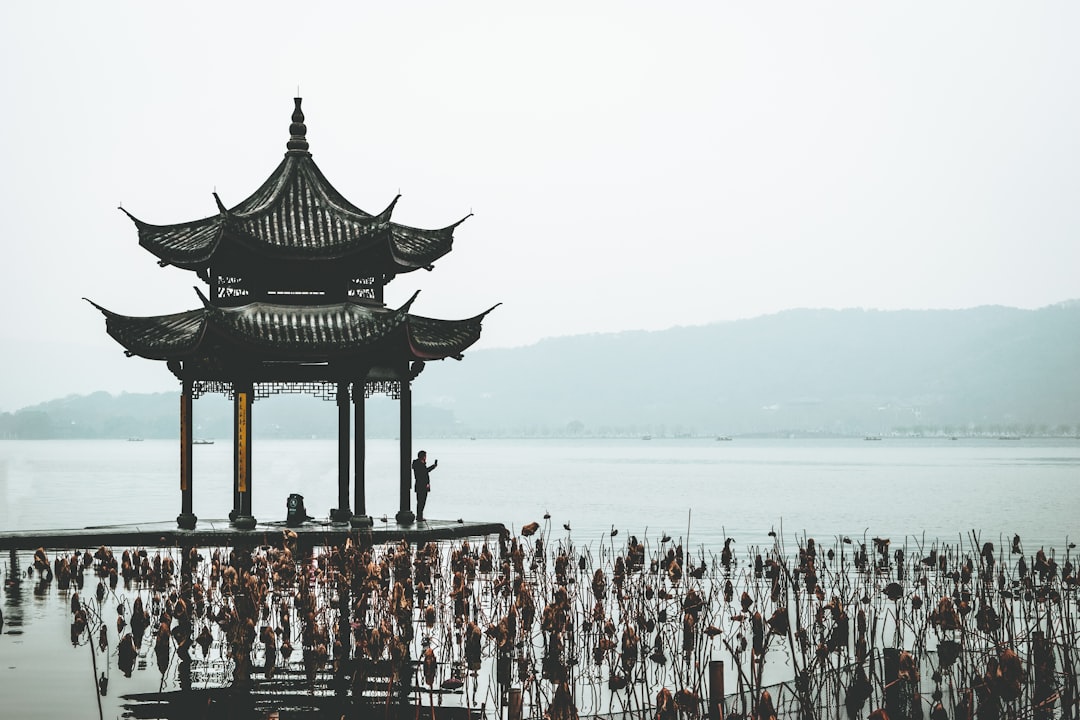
{"points": [[296, 275]]}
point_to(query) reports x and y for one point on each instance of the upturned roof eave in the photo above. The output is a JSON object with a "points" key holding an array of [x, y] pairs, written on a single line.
{"points": [[202, 237], [175, 336], [364, 233], [434, 339], [210, 330]]}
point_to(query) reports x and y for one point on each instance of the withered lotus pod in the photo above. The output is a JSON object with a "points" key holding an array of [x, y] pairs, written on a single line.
{"points": [[562, 704], [630, 645], [674, 572], [689, 637], [598, 655], [665, 705], [987, 619], [1009, 678], [894, 591], [204, 640], [857, 694], [126, 654], [909, 669], [687, 701], [945, 615], [948, 652], [779, 622], [430, 666], [599, 584], [693, 602]]}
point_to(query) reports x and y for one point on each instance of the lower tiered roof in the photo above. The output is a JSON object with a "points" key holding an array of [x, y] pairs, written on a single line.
{"points": [[312, 333]]}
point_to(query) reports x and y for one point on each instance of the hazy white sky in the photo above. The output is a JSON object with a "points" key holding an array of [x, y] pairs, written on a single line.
{"points": [[630, 165]]}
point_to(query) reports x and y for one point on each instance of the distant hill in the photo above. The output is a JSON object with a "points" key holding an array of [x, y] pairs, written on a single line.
{"points": [[818, 371], [846, 372]]}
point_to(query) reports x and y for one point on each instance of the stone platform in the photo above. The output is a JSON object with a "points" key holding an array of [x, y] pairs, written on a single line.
{"points": [[221, 532]]}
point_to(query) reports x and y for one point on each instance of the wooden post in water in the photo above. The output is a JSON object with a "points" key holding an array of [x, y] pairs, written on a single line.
{"points": [[514, 705], [716, 690]]}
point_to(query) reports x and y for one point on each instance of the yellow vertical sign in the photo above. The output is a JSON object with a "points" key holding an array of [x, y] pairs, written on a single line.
{"points": [[242, 441], [185, 421]]}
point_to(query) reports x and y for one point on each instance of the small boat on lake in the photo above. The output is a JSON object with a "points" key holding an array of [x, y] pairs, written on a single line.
{"points": [[202, 442]]}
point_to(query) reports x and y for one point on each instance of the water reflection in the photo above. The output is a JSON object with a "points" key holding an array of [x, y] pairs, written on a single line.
{"points": [[12, 596]]}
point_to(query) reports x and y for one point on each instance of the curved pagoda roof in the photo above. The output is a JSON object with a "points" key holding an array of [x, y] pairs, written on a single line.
{"points": [[311, 333], [297, 215]]}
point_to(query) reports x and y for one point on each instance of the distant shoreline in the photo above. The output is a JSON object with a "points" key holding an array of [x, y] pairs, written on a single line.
{"points": [[749, 436]]}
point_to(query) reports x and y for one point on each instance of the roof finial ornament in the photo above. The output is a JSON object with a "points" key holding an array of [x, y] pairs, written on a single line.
{"points": [[298, 131]]}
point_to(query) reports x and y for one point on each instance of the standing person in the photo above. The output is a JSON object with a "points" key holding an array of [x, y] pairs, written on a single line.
{"points": [[421, 472]]}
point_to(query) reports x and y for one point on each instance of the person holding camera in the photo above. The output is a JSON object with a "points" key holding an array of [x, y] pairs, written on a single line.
{"points": [[421, 472]]}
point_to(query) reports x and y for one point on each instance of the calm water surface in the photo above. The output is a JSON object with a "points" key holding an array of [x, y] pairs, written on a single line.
{"points": [[742, 488], [909, 490]]}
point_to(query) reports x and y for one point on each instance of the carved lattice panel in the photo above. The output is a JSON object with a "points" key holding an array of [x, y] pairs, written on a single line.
{"points": [[386, 387], [321, 389], [202, 387]]}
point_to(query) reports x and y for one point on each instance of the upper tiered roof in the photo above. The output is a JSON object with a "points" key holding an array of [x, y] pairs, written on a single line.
{"points": [[296, 273], [297, 215]]}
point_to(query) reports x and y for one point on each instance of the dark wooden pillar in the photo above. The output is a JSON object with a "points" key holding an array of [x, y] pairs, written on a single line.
{"points": [[360, 517], [342, 513], [242, 397], [235, 512], [405, 514], [186, 519]]}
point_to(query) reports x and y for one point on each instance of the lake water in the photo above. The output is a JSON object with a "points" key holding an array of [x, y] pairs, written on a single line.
{"points": [[741, 489], [701, 490]]}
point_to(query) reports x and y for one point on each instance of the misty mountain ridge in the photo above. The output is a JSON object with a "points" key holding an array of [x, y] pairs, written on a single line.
{"points": [[989, 369]]}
